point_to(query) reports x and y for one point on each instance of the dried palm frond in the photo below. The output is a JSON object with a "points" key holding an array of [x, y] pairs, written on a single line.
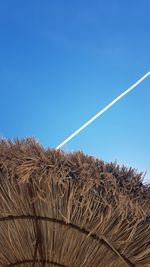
{"points": [[70, 210]]}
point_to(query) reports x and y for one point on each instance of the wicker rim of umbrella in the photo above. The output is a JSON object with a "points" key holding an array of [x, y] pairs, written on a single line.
{"points": [[70, 210]]}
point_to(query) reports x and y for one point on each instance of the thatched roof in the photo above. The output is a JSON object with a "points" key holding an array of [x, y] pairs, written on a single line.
{"points": [[70, 210]]}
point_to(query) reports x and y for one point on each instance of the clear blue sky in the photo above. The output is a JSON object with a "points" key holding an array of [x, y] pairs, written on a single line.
{"points": [[62, 61]]}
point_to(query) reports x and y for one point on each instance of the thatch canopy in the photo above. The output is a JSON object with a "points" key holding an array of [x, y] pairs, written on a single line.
{"points": [[70, 210]]}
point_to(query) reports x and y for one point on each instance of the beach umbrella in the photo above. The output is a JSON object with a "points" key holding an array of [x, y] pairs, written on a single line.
{"points": [[70, 210]]}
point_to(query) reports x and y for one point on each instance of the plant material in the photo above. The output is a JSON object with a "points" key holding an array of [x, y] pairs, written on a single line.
{"points": [[70, 210]]}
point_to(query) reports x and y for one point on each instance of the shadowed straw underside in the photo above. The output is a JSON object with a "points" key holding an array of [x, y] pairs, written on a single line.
{"points": [[70, 210]]}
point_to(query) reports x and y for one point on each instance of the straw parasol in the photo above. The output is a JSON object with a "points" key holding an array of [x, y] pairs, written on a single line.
{"points": [[70, 210]]}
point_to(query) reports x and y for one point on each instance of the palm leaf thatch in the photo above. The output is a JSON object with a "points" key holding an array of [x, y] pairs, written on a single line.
{"points": [[70, 210]]}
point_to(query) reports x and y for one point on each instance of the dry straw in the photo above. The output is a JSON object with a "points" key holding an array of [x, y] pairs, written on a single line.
{"points": [[70, 210]]}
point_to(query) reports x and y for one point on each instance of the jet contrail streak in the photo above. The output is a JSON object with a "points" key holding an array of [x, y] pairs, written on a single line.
{"points": [[103, 110]]}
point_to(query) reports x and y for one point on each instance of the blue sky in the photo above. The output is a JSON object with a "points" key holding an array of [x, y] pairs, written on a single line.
{"points": [[62, 61]]}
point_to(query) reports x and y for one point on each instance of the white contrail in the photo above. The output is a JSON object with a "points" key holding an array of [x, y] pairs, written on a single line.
{"points": [[103, 110]]}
